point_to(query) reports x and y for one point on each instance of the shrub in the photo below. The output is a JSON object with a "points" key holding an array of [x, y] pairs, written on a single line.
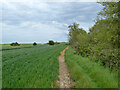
{"points": [[34, 44], [15, 44], [51, 42], [56, 43]]}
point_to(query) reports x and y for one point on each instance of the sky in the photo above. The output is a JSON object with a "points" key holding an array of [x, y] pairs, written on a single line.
{"points": [[34, 21]]}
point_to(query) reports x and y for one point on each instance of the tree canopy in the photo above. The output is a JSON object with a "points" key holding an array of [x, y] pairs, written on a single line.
{"points": [[102, 41]]}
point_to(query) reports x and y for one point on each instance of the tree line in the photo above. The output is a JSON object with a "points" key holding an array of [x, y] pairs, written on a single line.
{"points": [[102, 41], [50, 42]]}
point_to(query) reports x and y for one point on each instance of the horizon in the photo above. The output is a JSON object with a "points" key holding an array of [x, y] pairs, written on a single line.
{"points": [[32, 42]]}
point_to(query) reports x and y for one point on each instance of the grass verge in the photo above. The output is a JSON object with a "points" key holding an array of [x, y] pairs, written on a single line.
{"points": [[88, 74]]}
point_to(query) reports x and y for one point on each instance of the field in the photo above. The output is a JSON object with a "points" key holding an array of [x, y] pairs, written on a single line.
{"points": [[30, 66], [87, 73]]}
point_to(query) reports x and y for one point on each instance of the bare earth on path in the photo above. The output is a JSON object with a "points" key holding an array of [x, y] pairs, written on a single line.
{"points": [[64, 80]]}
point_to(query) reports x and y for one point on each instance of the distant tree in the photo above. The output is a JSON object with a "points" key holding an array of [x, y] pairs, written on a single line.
{"points": [[12, 44], [51, 42], [56, 43], [15, 44], [34, 44]]}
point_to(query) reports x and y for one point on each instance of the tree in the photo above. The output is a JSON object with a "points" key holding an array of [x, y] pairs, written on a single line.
{"points": [[106, 33], [51, 42], [15, 44], [34, 44], [102, 42], [56, 43], [74, 36]]}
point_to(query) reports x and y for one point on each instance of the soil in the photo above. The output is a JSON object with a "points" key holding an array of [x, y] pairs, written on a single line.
{"points": [[64, 80]]}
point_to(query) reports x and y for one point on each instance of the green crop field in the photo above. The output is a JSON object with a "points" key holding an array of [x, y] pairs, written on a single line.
{"points": [[30, 66], [87, 73]]}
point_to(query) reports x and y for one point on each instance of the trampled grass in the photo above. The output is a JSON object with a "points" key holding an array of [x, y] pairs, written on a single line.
{"points": [[88, 74], [30, 66]]}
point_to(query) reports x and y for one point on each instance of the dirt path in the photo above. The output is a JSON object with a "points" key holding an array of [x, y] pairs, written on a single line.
{"points": [[64, 80]]}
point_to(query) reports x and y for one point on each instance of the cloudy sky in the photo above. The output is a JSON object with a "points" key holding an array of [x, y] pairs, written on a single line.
{"points": [[26, 22]]}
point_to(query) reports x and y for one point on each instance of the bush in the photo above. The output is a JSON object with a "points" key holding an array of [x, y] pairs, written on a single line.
{"points": [[51, 42], [34, 44], [95, 44], [57, 43], [15, 44]]}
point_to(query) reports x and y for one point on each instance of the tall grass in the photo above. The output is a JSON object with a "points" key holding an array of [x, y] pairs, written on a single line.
{"points": [[88, 74]]}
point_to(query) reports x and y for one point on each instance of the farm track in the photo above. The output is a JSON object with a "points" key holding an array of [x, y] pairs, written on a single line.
{"points": [[64, 80]]}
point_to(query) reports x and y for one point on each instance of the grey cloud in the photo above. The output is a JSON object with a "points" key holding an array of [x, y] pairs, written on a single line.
{"points": [[43, 14], [56, 11]]}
